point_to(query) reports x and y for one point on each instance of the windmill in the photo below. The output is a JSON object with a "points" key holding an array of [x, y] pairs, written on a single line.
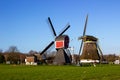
{"points": [[61, 44], [89, 48]]}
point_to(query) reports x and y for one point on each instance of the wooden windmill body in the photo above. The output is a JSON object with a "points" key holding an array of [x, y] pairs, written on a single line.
{"points": [[61, 46], [90, 51]]}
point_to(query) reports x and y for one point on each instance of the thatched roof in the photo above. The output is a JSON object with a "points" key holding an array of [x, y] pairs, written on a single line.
{"points": [[88, 38]]}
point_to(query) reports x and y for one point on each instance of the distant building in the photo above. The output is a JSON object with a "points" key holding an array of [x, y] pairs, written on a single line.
{"points": [[31, 60], [117, 62]]}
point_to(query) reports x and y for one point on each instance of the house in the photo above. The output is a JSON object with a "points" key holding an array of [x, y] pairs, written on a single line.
{"points": [[31, 60], [117, 62]]}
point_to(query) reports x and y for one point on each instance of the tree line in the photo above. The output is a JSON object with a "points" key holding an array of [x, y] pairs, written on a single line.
{"points": [[14, 56]]}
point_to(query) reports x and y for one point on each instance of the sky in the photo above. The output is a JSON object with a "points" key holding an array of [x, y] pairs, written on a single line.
{"points": [[24, 23]]}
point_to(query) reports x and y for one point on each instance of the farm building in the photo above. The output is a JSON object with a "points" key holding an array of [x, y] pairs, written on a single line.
{"points": [[117, 62], [31, 60]]}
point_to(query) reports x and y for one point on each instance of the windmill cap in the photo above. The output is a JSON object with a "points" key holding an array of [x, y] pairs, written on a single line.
{"points": [[63, 37], [88, 38]]}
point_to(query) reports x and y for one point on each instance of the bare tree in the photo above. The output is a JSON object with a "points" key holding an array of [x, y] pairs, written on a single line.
{"points": [[110, 57], [12, 55], [2, 58], [1, 50], [12, 49], [22, 58], [32, 52]]}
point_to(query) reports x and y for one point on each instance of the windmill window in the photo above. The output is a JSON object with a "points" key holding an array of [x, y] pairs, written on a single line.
{"points": [[88, 53]]}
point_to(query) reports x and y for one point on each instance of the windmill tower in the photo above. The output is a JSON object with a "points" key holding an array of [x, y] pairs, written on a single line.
{"points": [[89, 49], [61, 44]]}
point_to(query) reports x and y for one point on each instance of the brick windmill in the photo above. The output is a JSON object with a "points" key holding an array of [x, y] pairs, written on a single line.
{"points": [[61, 44], [90, 51]]}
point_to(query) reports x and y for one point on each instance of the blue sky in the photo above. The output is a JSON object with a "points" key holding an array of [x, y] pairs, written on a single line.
{"points": [[23, 23]]}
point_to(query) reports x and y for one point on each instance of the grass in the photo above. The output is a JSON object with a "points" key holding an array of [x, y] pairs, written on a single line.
{"points": [[20, 72]]}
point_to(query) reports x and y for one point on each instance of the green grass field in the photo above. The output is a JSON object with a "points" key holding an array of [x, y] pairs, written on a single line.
{"points": [[20, 72]]}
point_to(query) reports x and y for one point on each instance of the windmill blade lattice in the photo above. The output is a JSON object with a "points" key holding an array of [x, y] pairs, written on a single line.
{"points": [[52, 26], [101, 53], [47, 47], [66, 28], [83, 34]]}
